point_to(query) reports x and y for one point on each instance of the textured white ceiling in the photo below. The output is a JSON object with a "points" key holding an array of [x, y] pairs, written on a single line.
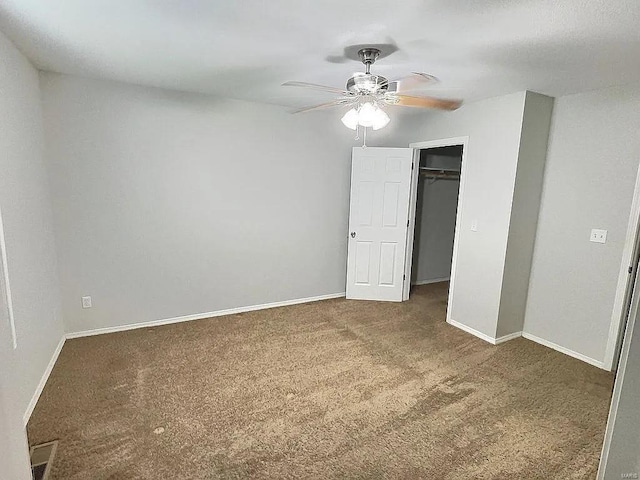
{"points": [[246, 49]]}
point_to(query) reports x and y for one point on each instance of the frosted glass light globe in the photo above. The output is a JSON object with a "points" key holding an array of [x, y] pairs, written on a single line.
{"points": [[381, 119], [367, 114], [350, 119]]}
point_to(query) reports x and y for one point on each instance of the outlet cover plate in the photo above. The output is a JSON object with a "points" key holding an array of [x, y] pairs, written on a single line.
{"points": [[598, 236]]}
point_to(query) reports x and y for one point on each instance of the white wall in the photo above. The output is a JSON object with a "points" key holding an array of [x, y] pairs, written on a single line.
{"points": [[493, 127], [524, 212], [169, 204], [435, 228], [26, 216], [590, 173]]}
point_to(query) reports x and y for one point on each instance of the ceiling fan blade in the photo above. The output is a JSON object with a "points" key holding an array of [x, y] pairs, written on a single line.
{"points": [[315, 86], [334, 103], [424, 102], [411, 82]]}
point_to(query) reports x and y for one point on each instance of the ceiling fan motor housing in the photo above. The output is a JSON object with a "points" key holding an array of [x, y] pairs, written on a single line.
{"points": [[366, 83]]}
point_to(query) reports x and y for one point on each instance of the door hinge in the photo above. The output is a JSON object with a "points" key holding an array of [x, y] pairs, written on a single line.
{"points": [[412, 165], [630, 270], [408, 223], [404, 277]]}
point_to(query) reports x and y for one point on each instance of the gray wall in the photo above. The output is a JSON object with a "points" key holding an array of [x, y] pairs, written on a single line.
{"points": [[26, 216], [524, 212], [588, 183], [493, 127], [170, 204], [14, 451], [435, 228]]}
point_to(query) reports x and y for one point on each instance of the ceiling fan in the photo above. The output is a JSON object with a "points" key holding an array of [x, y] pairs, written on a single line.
{"points": [[367, 93]]}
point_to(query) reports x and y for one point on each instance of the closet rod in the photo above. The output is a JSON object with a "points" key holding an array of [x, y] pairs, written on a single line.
{"points": [[441, 175], [439, 170]]}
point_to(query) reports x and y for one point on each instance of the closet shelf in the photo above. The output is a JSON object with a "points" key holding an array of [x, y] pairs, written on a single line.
{"points": [[439, 173], [439, 170]]}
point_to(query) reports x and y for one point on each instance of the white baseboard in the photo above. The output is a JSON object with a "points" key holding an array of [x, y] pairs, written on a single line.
{"points": [[506, 338], [472, 331], [483, 336], [529, 336], [433, 280], [43, 381], [201, 316], [566, 351]]}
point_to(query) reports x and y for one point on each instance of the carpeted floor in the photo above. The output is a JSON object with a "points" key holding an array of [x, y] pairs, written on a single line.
{"points": [[332, 389]]}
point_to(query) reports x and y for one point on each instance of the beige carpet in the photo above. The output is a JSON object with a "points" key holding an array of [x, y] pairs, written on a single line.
{"points": [[333, 389]]}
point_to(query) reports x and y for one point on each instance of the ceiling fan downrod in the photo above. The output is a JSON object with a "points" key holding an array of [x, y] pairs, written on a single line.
{"points": [[368, 56]]}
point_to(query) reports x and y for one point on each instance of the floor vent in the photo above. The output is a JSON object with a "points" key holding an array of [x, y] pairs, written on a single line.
{"points": [[42, 458]]}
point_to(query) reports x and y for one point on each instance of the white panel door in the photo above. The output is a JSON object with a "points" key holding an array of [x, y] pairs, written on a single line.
{"points": [[378, 216]]}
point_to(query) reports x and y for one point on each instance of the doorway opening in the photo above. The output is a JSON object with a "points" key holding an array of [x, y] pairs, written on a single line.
{"points": [[436, 207], [627, 279], [435, 217], [382, 217]]}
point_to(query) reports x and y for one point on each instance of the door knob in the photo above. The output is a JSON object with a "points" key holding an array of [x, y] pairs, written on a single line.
{"points": [[353, 234]]}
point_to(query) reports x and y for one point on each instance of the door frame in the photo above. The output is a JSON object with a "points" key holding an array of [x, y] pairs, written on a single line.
{"points": [[5, 286], [620, 375], [625, 281], [417, 146]]}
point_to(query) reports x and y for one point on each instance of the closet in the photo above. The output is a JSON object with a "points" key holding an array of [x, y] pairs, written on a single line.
{"points": [[436, 207]]}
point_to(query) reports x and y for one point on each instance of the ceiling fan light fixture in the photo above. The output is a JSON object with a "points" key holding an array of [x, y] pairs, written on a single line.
{"points": [[350, 119], [367, 114], [381, 120]]}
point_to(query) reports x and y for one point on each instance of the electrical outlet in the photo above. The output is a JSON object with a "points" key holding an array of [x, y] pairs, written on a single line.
{"points": [[474, 226], [598, 236], [86, 302]]}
